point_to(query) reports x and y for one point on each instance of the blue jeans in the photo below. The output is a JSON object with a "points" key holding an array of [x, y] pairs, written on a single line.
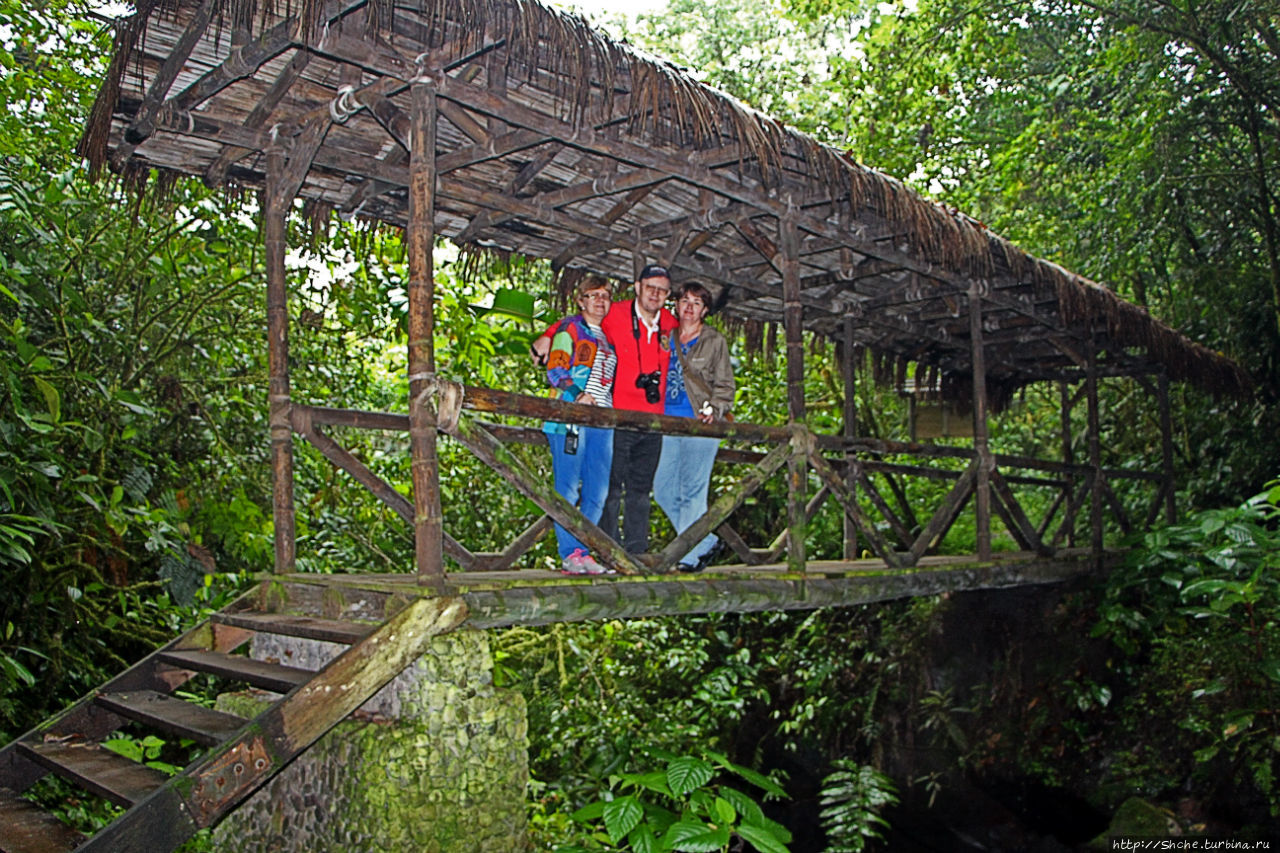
{"points": [[681, 483], [581, 478]]}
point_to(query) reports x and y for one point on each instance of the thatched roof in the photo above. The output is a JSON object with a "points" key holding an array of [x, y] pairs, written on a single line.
{"points": [[557, 143]]}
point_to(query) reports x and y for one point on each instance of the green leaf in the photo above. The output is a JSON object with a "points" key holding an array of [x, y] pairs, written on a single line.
{"points": [[1204, 587], [652, 781], [16, 670], [758, 779], [725, 813], [1211, 689], [133, 403], [686, 773], [589, 812], [694, 837], [621, 816], [127, 747], [515, 303], [643, 841], [762, 839], [1271, 669], [742, 804]]}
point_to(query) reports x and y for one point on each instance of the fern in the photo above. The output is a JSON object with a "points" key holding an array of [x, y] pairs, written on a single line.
{"points": [[852, 798]]}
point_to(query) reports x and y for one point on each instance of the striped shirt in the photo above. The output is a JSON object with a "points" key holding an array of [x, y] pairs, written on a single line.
{"points": [[600, 382]]}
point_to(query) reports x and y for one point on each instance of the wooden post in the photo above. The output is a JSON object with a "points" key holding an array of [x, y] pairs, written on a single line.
{"points": [[793, 321], [1095, 453], [1166, 449], [274, 221], [850, 431], [982, 487], [425, 467], [1068, 459]]}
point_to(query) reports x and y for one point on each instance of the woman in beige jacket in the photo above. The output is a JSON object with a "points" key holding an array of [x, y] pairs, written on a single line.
{"points": [[699, 384]]}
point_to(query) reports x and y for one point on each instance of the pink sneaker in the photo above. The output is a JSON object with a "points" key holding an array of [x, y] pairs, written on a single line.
{"points": [[576, 563], [582, 563]]}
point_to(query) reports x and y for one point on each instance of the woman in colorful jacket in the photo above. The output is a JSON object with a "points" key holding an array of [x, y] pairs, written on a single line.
{"points": [[699, 384], [580, 366]]}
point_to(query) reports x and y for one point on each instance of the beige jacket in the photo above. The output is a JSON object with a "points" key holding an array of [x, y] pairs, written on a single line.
{"points": [[708, 372]]}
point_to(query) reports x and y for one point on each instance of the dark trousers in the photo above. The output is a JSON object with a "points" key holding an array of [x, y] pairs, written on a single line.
{"points": [[635, 458]]}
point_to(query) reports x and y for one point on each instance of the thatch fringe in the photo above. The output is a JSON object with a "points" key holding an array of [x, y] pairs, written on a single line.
{"points": [[97, 130], [1084, 301]]}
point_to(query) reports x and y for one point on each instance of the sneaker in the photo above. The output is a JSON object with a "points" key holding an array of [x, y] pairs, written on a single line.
{"points": [[593, 567], [576, 563], [713, 554]]}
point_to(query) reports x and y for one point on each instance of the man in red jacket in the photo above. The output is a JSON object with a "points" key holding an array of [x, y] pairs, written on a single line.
{"points": [[638, 330]]}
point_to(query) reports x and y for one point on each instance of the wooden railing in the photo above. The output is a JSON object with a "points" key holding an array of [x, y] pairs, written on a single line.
{"points": [[854, 472]]}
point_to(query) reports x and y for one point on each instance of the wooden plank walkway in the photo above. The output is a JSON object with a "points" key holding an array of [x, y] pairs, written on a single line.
{"points": [[539, 597]]}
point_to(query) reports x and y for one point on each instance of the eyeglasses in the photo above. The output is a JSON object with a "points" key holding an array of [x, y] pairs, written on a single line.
{"points": [[604, 296]]}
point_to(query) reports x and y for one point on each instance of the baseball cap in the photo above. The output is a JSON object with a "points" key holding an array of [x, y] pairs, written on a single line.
{"points": [[654, 271]]}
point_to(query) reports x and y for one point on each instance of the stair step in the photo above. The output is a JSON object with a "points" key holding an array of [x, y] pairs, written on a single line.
{"points": [[170, 714], [268, 676], [305, 627], [27, 828], [98, 770]]}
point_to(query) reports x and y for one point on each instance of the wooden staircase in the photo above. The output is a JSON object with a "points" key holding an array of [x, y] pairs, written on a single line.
{"points": [[162, 811]]}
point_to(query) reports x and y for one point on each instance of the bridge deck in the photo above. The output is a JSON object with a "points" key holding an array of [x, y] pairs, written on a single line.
{"points": [[532, 597]]}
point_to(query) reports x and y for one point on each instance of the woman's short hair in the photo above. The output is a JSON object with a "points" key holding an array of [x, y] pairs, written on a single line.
{"points": [[692, 288], [590, 283]]}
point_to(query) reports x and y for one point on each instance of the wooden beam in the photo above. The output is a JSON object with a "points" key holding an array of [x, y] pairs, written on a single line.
{"points": [[380, 488], [849, 429], [1015, 519], [1095, 452], [1169, 485], [793, 320], [144, 120], [1068, 453], [940, 522], [723, 507], [493, 453], [879, 545], [982, 484], [425, 464], [216, 174], [779, 544], [274, 231], [532, 169], [519, 546]]}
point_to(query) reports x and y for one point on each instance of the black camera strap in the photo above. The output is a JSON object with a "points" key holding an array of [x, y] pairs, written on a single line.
{"points": [[635, 331]]}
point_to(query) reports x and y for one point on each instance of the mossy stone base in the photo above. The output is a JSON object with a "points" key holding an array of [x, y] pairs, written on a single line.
{"points": [[438, 764]]}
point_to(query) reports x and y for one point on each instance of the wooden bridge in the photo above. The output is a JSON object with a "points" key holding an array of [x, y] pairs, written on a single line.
{"points": [[510, 128]]}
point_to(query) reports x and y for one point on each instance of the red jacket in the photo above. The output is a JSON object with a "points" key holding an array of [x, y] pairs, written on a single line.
{"points": [[645, 355]]}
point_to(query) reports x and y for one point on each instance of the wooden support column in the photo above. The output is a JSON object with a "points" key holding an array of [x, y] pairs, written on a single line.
{"points": [[848, 367], [1166, 449], [1068, 460], [275, 214], [982, 450], [793, 322], [425, 467], [1095, 453]]}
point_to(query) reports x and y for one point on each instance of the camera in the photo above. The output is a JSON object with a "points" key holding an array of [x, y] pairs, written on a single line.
{"points": [[651, 383]]}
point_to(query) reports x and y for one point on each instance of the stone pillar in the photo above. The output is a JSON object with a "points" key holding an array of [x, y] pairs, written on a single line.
{"points": [[436, 762]]}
